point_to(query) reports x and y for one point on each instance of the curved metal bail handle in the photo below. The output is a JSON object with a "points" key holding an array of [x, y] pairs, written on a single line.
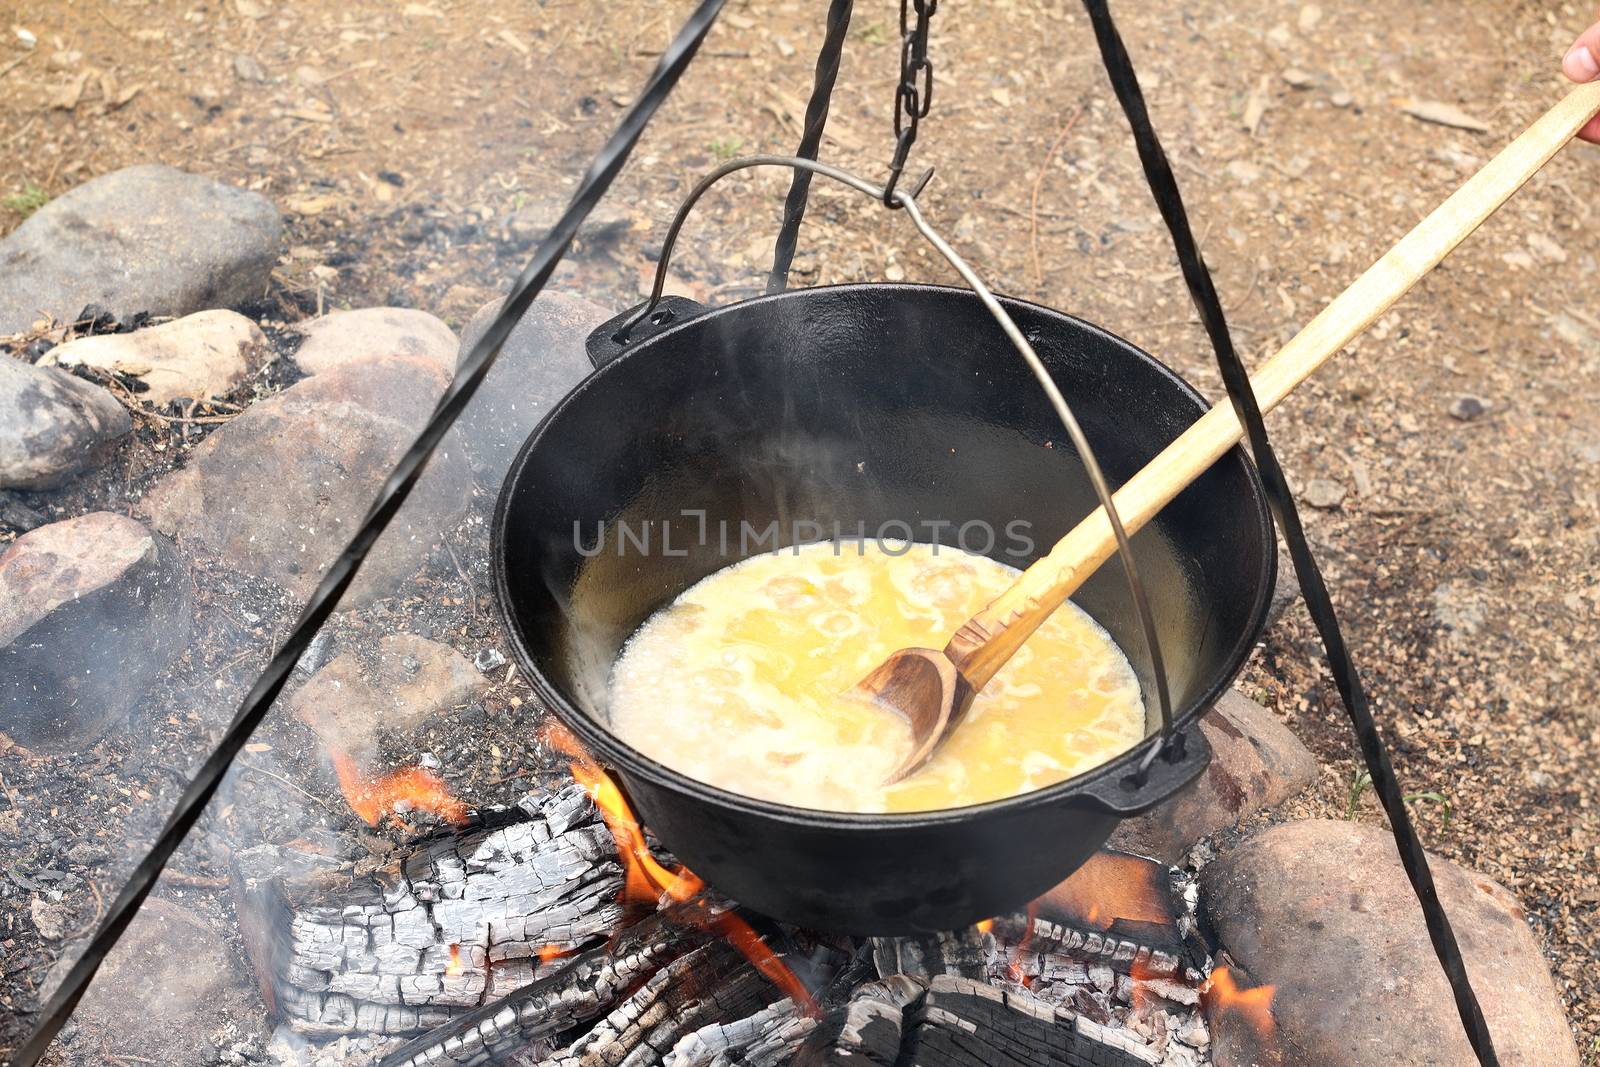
{"points": [[906, 200]]}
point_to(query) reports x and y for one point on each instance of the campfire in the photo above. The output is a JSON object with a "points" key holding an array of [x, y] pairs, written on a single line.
{"points": [[554, 932], [560, 929]]}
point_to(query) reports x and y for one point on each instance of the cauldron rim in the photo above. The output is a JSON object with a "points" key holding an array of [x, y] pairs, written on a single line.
{"points": [[625, 758]]}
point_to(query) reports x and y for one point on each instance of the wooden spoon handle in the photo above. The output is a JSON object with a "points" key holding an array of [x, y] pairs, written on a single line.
{"points": [[984, 644]]}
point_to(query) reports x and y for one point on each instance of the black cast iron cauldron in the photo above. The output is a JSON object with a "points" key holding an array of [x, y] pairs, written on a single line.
{"points": [[871, 407]]}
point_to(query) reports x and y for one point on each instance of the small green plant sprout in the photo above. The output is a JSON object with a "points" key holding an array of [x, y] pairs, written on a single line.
{"points": [[725, 150], [871, 33], [25, 203], [1363, 781]]}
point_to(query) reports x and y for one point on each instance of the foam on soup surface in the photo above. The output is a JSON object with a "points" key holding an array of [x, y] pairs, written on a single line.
{"points": [[739, 682]]}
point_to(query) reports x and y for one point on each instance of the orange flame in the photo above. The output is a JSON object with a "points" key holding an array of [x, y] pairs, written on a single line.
{"points": [[1144, 1001], [648, 881], [985, 925], [373, 797], [1222, 994], [455, 966], [1022, 947], [554, 952]]}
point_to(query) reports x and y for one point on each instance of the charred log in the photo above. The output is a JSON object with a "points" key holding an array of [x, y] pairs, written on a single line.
{"points": [[1045, 939], [963, 1023], [867, 1031], [959, 953], [685, 1003], [460, 920], [576, 991], [949, 1021]]}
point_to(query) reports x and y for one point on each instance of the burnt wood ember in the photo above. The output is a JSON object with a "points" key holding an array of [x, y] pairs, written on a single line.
{"points": [[950, 1021], [960, 953], [765, 1039], [963, 1023], [1126, 895], [574, 991], [708, 987], [868, 1029], [339, 953], [1093, 946]]}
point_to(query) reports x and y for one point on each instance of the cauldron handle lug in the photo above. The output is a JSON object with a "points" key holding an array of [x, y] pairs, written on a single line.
{"points": [[608, 341], [1184, 755]]}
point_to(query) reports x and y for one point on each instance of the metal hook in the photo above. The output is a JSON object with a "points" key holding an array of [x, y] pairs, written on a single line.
{"points": [[906, 200]]}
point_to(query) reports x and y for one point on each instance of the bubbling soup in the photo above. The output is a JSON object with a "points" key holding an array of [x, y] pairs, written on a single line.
{"points": [[740, 682]]}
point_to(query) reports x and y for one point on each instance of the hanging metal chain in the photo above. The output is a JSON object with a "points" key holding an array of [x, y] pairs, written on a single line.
{"points": [[914, 95]]}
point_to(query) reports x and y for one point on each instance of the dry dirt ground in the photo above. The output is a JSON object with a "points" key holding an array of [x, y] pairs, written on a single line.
{"points": [[400, 140]]}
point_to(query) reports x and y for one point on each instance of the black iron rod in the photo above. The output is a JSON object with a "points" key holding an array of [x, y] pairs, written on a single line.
{"points": [[794, 207], [1164, 188], [396, 488]]}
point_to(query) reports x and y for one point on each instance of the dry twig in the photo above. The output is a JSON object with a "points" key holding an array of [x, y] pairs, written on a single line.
{"points": [[1033, 199]]}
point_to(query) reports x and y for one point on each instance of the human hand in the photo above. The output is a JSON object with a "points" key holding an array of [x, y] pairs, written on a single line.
{"points": [[1582, 64]]}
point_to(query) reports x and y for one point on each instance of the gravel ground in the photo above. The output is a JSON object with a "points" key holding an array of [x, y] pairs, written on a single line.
{"points": [[416, 153]]}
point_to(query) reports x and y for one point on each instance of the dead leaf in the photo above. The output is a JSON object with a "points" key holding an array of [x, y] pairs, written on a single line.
{"points": [[114, 102], [1442, 114], [1255, 106], [311, 205], [415, 11], [515, 42], [1001, 97], [250, 9], [66, 97]]}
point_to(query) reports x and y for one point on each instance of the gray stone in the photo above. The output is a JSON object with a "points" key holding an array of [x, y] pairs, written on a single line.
{"points": [[1467, 408], [53, 425], [1256, 762], [368, 333], [18, 516], [201, 356], [146, 238], [53, 921], [1322, 911], [1458, 610], [248, 69], [278, 491], [92, 610], [172, 984], [1324, 493], [541, 362], [363, 705]]}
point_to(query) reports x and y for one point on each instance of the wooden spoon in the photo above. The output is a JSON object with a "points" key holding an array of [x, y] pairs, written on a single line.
{"points": [[933, 689]]}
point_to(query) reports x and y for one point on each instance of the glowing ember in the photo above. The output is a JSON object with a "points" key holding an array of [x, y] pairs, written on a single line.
{"points": [[554, 952], [373, 797], [455, 966], [1015, 969], [1222, 994], [648, 881]]}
